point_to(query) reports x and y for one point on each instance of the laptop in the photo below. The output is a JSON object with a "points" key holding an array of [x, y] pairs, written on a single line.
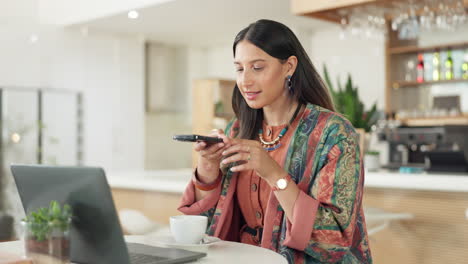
{"points": [[96, 235]]}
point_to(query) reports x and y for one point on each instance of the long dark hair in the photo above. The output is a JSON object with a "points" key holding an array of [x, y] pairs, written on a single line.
{"points": [[280, 42]]}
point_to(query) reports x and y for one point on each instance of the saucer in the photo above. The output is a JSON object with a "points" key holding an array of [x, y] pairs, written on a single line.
{"points": [[203, 246]]}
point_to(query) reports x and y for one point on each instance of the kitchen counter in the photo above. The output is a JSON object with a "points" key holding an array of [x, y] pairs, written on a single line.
{"points": [[171, 181], [449, 182], [175, 181]]}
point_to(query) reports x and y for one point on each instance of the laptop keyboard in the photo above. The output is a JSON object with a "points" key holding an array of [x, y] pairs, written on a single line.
{"points": [[138, 258]]}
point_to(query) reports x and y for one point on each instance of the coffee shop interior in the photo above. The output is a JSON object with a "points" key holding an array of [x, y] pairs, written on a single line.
{"points": [[108, 83]]}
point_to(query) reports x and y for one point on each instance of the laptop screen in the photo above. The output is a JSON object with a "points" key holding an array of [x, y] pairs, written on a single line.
{"points": [[96, 236]]}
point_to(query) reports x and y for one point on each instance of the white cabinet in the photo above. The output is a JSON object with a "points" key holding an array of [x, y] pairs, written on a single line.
{"points": [[19, 122], [40, 126], [36, 126], [60, 132]]}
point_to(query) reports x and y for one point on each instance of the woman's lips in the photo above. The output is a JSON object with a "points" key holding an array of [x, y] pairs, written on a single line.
{"points": [[251, 95]]}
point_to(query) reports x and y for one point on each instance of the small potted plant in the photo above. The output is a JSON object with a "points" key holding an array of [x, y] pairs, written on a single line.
{"points": [[372, 160], [46, 234], [347, 102]]}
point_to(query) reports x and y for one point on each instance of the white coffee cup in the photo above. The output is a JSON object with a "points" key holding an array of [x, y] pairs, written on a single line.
{"points": [[188, 229]]}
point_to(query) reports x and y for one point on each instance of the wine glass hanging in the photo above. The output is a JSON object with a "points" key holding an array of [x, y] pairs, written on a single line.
{"points": [[408, 18]]}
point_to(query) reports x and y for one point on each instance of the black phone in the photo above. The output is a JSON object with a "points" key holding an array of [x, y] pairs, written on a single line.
{"points": [[196, 138]]}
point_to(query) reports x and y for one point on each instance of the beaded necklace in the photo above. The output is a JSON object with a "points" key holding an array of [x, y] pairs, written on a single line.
{"points": [[275, 144]]}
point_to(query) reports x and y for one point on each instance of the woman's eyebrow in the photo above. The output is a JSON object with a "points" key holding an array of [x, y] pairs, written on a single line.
{"points": [[252, 61]]}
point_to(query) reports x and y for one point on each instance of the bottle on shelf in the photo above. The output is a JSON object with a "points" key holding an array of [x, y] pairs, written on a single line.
{"points": [[448, 66], [420, 69], [465, 66], [427, 67], [410, 71], [436, 66]]}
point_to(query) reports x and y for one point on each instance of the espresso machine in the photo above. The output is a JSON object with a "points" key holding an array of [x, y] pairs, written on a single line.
{"points": [[436, 148]]}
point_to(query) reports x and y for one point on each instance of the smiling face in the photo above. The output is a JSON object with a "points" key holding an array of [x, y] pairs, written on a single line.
{"points": [[260, 77]]}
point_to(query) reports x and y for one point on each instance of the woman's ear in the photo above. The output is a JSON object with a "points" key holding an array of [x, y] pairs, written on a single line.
{"points": [[291, 64]]}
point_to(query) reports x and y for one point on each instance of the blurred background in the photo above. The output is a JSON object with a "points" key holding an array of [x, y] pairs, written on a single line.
{"points": [[107, 83]]}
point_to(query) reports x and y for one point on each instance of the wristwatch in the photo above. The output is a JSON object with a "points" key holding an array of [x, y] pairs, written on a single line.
{"points": [[282, 183]]}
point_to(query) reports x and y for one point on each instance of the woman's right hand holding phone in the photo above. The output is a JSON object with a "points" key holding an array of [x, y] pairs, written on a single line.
{"points": [[210, 156]]}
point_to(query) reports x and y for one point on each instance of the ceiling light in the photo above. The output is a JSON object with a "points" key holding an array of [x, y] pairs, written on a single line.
{"points": [[33, 38], [15, 137], [133, 14]]}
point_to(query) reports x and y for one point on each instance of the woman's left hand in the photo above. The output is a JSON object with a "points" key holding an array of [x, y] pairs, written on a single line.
{"points": [[251, 156]]}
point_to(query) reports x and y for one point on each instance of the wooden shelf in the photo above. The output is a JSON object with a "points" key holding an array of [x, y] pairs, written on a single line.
{"points": [[331, 10], [436, 121], [415, 49], [403, 84], [206, 94]]}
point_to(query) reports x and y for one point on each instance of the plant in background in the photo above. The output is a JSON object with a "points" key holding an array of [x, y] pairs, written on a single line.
{"points": [[219, 107], [347, 102], [372, 160], [44, 220], [372, 153]]}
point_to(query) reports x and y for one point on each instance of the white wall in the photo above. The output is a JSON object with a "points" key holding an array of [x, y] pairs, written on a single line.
{"points": [[107, 69], [440, 37], [161, 151], [219, 62], [128, 118], [167, 77], [169, 113], [362, 58], [305, 37], [197, 68]]}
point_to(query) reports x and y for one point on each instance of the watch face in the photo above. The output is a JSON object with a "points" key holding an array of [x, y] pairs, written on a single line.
{"points": [[281, 183]]}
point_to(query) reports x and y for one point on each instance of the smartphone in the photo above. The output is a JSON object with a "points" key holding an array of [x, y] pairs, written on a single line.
{"points": [[196, 138]]}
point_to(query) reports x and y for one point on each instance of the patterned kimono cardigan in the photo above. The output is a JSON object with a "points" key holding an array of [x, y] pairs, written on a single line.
{"points": [[323, 158]]}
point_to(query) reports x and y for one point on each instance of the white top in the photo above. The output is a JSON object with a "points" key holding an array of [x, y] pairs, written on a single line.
{"points": [[222, 252], [175, 181]]}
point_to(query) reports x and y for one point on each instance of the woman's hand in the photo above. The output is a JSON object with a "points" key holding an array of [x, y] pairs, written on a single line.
{"points": [[251, 156], [210, 155]]}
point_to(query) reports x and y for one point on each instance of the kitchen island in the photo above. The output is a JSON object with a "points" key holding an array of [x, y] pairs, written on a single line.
{"points": [[438, 204]]}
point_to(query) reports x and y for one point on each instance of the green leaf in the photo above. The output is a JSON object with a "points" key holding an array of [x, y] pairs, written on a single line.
{"points": [[55, 209], [338, 84], [347, 102], [327, 78], [43, 220]]}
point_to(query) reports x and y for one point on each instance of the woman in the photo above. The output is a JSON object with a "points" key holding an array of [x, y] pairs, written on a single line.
{"points": [[288, 175]]}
